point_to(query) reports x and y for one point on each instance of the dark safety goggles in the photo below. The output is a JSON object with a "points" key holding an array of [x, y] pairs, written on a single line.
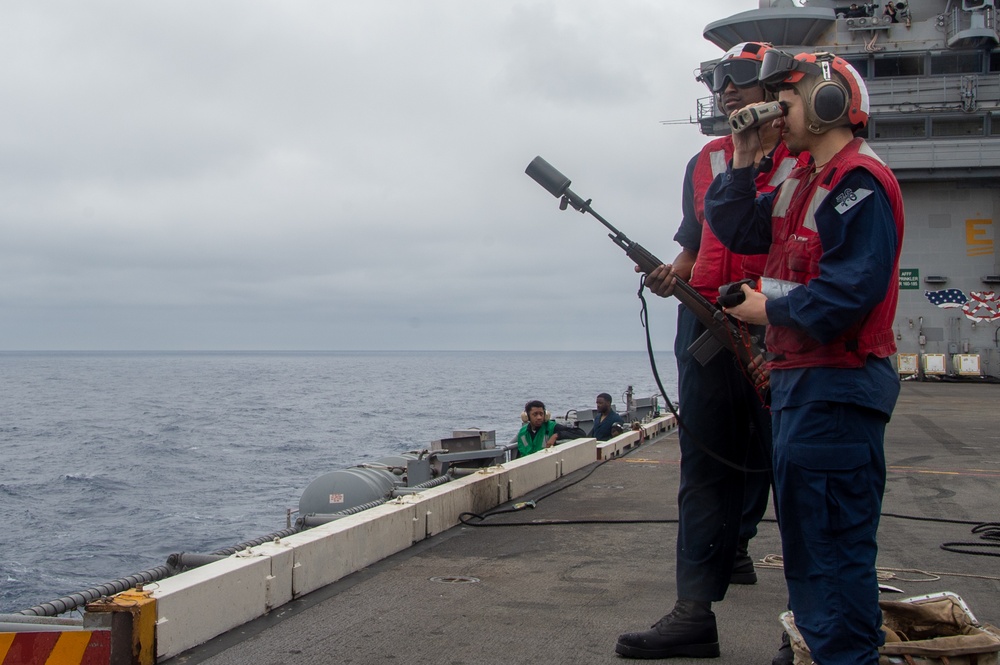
{"points": [[777, 67], [743, 72]]}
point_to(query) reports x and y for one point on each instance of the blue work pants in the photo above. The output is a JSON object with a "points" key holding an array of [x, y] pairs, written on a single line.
{"points": [[829, 474]]}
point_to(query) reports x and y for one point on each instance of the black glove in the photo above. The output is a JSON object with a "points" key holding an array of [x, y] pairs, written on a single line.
{"points": [[731, 295]]}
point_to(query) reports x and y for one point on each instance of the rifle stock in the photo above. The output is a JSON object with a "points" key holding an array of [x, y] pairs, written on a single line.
{"points": [[721, 332]]}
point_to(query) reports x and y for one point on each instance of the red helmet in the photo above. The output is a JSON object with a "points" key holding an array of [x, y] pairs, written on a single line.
{"points": [[740, 64], [829, 101]]}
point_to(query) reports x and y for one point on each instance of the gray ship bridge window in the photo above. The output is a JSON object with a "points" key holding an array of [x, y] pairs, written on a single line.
{"points": [[861, 65], [994, 123], [900, 128], [899, 65], [957, 63], [922, 126], [959, 126], [924, 64]]}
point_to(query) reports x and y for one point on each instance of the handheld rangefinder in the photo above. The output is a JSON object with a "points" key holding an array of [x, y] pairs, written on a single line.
{"points": [[755, 115]]}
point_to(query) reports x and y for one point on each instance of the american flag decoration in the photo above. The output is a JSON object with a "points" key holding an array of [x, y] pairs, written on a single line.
{"points": [[982, 306], [947, 298]]}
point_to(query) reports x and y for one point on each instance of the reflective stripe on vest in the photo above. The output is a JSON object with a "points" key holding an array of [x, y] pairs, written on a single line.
{"points": [[717, 265], [719, 160], [782, 171]]}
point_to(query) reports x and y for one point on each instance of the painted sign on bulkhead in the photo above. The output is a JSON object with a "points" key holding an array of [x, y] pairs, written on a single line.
{"points": [[909, 278]]}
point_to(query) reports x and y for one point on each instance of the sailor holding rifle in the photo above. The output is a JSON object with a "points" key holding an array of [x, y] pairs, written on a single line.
{"points": [[719, 505]]}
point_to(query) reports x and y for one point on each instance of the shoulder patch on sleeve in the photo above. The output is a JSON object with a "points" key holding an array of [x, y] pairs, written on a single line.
{"points": [[849, 198]]}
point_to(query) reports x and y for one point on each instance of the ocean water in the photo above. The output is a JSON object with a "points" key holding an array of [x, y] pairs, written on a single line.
{"points": [[109, 462]]}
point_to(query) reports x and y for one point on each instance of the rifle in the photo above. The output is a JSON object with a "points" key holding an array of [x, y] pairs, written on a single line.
{"points": [[720, 331]]}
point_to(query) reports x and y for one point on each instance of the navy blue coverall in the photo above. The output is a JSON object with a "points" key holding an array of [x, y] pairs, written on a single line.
{"points": [[829, 423]]}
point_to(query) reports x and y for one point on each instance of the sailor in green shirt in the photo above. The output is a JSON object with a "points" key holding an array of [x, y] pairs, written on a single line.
{"points": [[538, 433]]}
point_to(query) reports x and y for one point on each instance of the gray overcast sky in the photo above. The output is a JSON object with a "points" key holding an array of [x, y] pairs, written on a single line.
{"points": [[320, 174]]}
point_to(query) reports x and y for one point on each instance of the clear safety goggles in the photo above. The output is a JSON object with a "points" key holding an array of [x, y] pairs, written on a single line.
{"points": [[743, 72]]}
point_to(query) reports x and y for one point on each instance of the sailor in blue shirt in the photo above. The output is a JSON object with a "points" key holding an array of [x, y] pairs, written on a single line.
{"points": [[605, 419]]}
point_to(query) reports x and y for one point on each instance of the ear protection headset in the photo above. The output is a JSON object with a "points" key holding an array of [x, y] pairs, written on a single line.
{"points": [[832, 91], [524, 416], [827, 102]]}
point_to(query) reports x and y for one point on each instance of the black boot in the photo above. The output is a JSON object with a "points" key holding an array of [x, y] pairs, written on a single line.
{"points": [[785, 656], [743, 572], [689, 630]]}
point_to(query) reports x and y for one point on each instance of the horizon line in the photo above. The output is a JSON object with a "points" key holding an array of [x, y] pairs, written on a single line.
{"points": [[329, 350]]}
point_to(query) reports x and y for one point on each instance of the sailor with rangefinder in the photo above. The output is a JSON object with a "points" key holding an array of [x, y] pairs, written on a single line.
{"points": [[834, 228]]}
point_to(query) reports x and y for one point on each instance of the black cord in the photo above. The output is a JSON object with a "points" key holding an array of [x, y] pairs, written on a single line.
{"points": [[766, 162], [989, 531], [644, 319], [938, 520], [959, 548], [463, 520], [522, 505]]}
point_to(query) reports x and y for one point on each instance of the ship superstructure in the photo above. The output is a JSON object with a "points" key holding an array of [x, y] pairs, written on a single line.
{"points": [[933, 74]]}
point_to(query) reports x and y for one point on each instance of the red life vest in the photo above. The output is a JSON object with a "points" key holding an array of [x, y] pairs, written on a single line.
{"points": [[795, 253], [716, 264]]}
